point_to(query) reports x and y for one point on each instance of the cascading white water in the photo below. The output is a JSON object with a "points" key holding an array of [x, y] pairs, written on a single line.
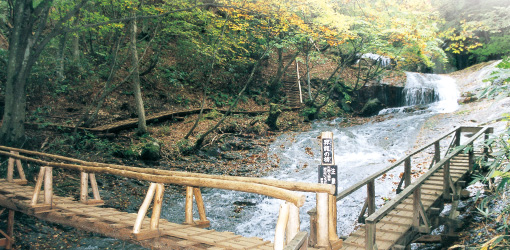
{"points": [[384, 61], [437, 93]]}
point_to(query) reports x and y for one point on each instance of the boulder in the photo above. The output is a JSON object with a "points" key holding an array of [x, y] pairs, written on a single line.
{"points": [[151, 151]]}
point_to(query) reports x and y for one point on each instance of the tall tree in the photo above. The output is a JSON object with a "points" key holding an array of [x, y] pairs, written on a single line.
{"points": [[27, 39], [140, 110]]}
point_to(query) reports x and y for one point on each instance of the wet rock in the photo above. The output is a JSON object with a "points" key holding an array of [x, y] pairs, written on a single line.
{"points": [[415, 108], [372, 107], [469, 99], [244, 203], [232, 156]]}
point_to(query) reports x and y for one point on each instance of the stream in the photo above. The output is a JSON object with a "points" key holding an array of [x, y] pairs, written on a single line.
{"points": [[359, 152]]}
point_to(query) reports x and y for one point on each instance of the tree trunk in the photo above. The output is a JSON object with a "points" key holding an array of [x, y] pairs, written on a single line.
{"points": [[76, 48], [60, 58], [25, 46], [12, 132], [308, 75], [272, 118], [142, 126]]}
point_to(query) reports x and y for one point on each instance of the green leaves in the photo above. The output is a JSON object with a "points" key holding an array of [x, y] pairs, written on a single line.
{"points": [[498, 81]]}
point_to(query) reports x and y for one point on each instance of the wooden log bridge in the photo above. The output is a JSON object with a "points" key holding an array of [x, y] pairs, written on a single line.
{"points": [[393, 226], [154, 232]]}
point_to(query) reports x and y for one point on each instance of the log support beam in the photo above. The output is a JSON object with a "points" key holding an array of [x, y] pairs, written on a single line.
{"points": [[155, 196], [188, 217], [84, 189], [45, 177], [7, 241], [10, 170]]}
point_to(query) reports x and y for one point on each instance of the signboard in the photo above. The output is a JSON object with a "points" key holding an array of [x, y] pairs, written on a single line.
{"points": [[328, 175], [328, 170], [327, 151]]}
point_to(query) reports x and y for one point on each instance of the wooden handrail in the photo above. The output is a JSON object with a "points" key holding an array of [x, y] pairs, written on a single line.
{"points": [[299, 242], [377, 174], [411, 189], [271, 191], [293, 186]]}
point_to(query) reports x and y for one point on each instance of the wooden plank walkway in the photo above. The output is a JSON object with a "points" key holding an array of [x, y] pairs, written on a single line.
{"points": [[398, 222], [117, 224]]}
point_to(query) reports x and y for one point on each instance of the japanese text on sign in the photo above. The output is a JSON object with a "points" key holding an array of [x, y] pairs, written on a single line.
{"points": [[327, 151], [328, 175]]}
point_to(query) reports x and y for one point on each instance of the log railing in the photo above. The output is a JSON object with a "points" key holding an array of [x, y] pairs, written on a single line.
{"points": [[283, 190], [420, 220]]}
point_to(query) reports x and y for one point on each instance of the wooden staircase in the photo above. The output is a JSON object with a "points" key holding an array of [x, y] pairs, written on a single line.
{"points": [[291, 85]]}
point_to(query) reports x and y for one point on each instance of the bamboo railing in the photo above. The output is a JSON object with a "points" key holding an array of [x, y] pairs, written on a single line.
{"points": [[288, 222]]}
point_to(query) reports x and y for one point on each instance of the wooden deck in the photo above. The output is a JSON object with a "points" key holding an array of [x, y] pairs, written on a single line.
{"points": [[395, 225], [116, 224]]}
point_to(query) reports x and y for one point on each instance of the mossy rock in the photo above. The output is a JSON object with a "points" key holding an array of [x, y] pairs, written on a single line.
{"points": [[127, 153], [151, 151], [213, 115], [372, 107]]}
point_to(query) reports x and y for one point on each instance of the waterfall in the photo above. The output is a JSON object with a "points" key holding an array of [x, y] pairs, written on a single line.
{"points": [[385, 61], [438, 90]]}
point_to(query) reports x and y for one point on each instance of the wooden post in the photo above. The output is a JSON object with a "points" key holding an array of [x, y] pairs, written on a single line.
{"points": [[416, 208], [38, 185], [457, 137], [48, 186], [333, 236], [294, 224], [156, 208], [322, 220], [446, 180], [10, 170], [84, 187], [299, 83], [10, 229], [93, 185], [371, 197], [189, 206], [370, 235], [156, 191], [201, 207], [437, 151], [471, 155], [407, 171], [327, 175], [143, 208], [486, 148], [312, 240], [281, 224]]}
